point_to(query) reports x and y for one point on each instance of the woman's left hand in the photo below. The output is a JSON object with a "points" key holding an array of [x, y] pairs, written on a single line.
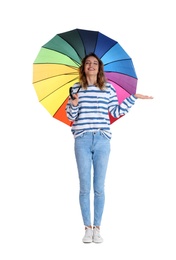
{"points": [[143, 96]]}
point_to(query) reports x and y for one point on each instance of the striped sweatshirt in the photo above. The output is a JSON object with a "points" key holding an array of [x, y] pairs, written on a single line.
{"points": [[94, 106]]}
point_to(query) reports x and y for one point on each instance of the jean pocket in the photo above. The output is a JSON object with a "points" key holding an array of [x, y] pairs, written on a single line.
{"points": [[81, 135], [104, 135]]}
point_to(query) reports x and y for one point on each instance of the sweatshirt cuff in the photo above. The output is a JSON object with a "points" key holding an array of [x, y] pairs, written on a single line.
{"points": [[134, 96], [74, 107]]}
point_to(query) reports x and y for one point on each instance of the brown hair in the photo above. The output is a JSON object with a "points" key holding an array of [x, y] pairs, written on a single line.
{"points": [[101, 79]]}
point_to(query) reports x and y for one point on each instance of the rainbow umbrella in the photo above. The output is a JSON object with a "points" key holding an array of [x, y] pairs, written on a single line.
{"points": [[55, 68]]}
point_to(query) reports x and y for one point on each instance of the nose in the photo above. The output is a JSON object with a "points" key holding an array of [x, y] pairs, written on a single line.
{"points": [[92, 65]]}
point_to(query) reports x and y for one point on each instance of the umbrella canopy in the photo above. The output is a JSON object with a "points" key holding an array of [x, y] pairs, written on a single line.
{"points": [[55, 68]]}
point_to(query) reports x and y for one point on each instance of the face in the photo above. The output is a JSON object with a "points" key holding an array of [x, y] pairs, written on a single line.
{"points": [[91, 66]]}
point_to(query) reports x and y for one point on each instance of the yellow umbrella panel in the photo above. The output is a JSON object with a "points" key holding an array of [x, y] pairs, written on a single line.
{"points": [[51, 83]]}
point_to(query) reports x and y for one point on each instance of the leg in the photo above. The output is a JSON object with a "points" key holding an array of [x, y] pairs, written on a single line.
{"points": [[84, 160], [101, 151]]}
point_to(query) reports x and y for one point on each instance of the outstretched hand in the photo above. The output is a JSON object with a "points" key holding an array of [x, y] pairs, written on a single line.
{"points": [[143, 96]]}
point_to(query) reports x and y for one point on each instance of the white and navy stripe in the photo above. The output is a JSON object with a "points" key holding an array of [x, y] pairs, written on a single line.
{"points": [[94, 106]]}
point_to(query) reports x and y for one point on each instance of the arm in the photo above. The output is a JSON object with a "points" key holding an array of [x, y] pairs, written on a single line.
{"points": [[123, 108], [116, 109]]}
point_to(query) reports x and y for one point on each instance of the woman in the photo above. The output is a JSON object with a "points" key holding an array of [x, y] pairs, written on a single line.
{"points": [[92, 100]]}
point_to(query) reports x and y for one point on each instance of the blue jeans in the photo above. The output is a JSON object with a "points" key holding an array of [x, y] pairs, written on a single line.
{"points": [[92, 149]]}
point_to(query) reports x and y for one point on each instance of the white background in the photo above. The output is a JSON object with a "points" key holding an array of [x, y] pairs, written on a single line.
{"points": [[39, 209]]}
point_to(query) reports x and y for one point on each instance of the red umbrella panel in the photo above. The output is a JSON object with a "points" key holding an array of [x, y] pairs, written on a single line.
{"points": [[55, 68]]}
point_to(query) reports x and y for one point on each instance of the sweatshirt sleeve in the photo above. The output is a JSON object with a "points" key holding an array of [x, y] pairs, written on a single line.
{"points": [[71, 111], [116, 109]]}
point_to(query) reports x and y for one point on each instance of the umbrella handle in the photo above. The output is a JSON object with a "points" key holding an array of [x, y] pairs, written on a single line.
{"points": [[71, 93]]}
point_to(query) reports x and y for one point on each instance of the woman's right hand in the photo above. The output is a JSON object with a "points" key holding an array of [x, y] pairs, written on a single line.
{"points": [[75, 101]]}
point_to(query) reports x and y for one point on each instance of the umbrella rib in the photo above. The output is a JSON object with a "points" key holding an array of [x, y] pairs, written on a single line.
{"points": [[57, 89], [109, 71], [66, 74], [96, 43], [77, 63], [118, 61], [107, 50], [82, 44]]}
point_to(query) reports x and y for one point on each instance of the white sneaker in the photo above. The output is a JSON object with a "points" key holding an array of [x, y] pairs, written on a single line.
{"points": [[88, 235], [96, 235]]}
